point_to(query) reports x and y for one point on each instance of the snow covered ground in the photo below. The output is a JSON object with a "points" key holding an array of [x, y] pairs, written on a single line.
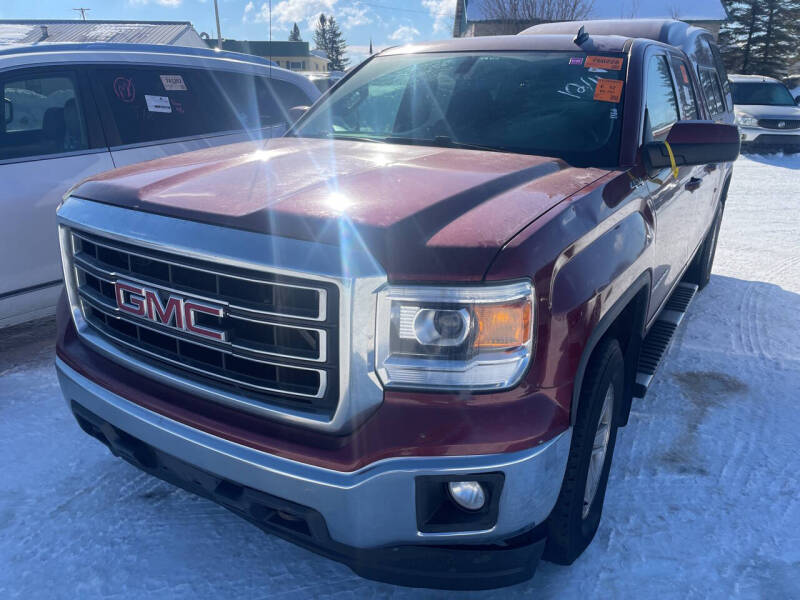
{"points": [[704, 497]]}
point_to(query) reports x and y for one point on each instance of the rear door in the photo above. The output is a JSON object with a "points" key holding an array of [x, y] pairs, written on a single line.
{"points": [[705, 179], [672, 197], [49, 140], [154, 111]]}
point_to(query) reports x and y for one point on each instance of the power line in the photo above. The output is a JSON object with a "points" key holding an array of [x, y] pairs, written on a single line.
{"points": [[413, 10]]}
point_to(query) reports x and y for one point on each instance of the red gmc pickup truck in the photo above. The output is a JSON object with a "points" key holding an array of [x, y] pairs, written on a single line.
{"points": [[405, 334]]}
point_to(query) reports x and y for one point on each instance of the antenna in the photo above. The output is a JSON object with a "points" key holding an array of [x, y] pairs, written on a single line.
{"points": [[219, 33], [270, 42], [581, 37], [82, 11]]}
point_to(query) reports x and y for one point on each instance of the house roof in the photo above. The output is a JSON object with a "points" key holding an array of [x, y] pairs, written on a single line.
{"points": [[263, 48], [35, 31], [690, 10]]}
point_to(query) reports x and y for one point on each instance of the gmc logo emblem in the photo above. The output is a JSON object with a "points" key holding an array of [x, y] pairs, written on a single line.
{"points": [[177, 312]]}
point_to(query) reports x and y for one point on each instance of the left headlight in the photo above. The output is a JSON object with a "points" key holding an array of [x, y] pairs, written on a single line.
{"points": [[455, 338], [746, 120]]}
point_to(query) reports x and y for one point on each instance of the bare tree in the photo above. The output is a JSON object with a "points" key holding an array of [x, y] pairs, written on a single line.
{"points": [[536, 10], [632, 13]]}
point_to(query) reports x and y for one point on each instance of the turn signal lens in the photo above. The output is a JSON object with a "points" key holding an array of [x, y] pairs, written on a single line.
{"points": [[503, 325]]}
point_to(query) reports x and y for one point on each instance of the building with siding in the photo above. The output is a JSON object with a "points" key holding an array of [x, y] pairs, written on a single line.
{"points": [[35, 31], [471, 20], [289, 55]]}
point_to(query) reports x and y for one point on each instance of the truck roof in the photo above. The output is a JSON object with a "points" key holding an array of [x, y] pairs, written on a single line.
{"points": [[666, 31], [563, 42]]}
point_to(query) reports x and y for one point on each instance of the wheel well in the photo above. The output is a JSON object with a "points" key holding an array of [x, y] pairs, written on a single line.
{"points": [[625, 324]]}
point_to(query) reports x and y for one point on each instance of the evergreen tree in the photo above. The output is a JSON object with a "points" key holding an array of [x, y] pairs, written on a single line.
{"points": [[760, 36], [337, 47], [294, 35], [321, 34]]}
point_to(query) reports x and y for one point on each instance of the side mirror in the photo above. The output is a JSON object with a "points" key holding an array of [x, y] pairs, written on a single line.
{"points": [[8, 111], [694, 143], [297, 111], [797, 100]]}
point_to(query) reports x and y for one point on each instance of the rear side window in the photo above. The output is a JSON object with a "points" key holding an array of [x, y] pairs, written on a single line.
{"points": [[258, 101], [723, 76], [685, 90], [158, 104], [711, 90], [661, 101], [42, 115]]}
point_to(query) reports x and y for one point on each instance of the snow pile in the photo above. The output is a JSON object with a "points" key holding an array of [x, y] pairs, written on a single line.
{"points": [[703, 502]]}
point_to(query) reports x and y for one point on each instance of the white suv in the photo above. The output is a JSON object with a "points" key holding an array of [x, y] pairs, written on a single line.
{"points": [[73, 110]]}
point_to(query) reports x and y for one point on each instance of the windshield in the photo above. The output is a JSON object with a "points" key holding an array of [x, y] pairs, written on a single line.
{"points": [[769, 94], [546, 103]]}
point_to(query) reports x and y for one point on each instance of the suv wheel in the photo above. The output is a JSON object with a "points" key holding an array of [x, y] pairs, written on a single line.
{"points": [[576, 516]]}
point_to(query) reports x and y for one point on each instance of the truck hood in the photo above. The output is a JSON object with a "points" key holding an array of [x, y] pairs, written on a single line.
{"points": [[424, 213]]}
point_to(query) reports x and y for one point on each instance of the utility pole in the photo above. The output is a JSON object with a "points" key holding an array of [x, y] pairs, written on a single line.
{"points": [[219, 33], [82, 11]]}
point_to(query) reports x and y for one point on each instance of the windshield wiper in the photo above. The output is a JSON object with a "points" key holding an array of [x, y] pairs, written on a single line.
{"points": [[441, 141]]}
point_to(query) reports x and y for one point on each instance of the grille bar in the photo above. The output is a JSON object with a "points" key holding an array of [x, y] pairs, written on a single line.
{"points": [[321, 305], [278, 336]]}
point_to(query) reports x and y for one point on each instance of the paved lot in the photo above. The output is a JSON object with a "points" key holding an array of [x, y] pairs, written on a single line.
{"points": [[704, 497]]}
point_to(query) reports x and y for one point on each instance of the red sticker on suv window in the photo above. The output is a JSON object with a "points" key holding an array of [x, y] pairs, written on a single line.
{"points": [[124, 89], [684, 74], [613, 63], [608, 90]]}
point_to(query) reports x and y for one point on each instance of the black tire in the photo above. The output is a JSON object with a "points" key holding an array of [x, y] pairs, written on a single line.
{"points": [[571, 527], [700, 271]]}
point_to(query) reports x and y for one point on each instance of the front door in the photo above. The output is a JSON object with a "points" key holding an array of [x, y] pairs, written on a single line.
{"points": [[45, 148]]}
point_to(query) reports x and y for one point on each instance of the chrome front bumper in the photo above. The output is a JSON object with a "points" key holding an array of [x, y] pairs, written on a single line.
{"points": [[371, 507]]}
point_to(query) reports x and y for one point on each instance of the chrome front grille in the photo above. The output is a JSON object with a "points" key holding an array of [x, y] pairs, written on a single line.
{"points": [[278, 342], [788, 124]]}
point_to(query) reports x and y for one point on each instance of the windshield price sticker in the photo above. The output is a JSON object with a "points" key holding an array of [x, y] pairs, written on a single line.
{"points": [[173, 83], [158, 104], [608, 90], [612, 63]]}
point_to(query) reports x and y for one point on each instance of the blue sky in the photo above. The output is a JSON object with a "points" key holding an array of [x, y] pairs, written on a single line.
{"points": [[388, 22]]}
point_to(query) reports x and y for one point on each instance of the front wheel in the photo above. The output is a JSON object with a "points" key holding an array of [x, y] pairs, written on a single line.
{"points": [[700, 270], [576, 516]]}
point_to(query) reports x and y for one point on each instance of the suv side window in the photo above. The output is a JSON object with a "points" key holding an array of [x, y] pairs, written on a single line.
{"points": [[660, 100], [259, 101], [43, 115], [150, 104], [685, 90]]}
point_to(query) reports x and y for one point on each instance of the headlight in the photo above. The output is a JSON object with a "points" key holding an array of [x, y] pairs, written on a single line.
{"points": [[746, 121], [457, 338]]}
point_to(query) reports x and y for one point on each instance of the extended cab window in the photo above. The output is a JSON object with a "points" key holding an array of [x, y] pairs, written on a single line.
{"points": [[660, 99], [152, 104], [561, 104], [711, 90], [685, 90], [42, 115]]}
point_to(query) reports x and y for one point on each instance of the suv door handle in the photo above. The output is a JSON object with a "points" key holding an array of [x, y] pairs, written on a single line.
{"points": [[694, 183]]}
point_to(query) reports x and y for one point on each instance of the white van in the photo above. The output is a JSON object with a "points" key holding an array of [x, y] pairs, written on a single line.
{"points": [[73, 110]]}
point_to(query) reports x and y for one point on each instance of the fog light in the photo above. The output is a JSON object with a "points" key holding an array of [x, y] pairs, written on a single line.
{"points": [[467, 494]]}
